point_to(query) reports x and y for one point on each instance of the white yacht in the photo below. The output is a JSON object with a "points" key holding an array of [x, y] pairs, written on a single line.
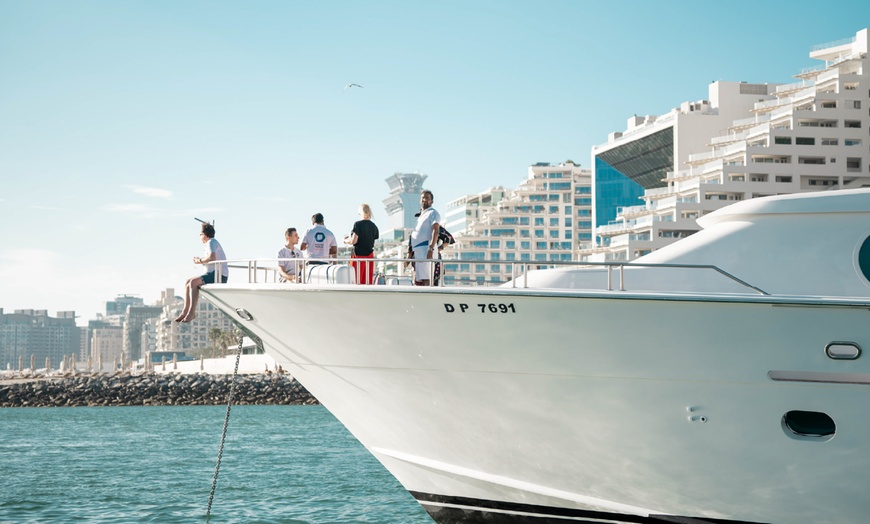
{"points": [[720, 379]]}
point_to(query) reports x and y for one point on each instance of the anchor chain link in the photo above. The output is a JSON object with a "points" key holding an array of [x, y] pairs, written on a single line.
{"points": [[217, 466]]}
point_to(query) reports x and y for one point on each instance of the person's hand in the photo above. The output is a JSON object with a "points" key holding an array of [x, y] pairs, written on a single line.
{"points": [[197, 260]]}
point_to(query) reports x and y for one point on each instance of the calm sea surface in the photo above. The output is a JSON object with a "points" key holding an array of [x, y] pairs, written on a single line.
{"points": [[281, 464]]}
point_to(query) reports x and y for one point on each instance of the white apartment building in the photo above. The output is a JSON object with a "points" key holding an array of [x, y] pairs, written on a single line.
{"points": [[175, 336], [460, 213], [542, 220], [107, 346], [808, 136]]}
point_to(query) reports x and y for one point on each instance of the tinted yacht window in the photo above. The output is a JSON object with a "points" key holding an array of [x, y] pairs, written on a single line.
{"points": [[864, 258]]}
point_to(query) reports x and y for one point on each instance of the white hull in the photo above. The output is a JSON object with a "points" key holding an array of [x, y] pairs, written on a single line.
{"points": [[561, 406]]}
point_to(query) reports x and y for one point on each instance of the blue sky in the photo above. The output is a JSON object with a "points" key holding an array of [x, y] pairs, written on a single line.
{"points": [[120, 121]]}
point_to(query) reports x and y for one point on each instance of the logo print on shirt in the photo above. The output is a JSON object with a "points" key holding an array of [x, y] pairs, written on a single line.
{"points": [[319, 236]]}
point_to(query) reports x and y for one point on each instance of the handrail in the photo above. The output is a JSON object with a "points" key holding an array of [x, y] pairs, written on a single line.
{"points": [[517, 267]]}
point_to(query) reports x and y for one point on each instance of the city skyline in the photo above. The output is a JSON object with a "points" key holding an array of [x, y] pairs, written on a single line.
{"points": [[120, 123]]}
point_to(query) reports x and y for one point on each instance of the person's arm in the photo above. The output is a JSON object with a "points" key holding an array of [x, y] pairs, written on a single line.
{"points": [[352, 239], [205, 260], [433, 241], [333, 251]]}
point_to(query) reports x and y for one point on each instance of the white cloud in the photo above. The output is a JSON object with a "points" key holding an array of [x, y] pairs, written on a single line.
{"points": [[153, 192], [142, 211]]}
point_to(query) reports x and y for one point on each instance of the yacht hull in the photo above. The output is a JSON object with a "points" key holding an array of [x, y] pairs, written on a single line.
{"points": [[503, 405]]}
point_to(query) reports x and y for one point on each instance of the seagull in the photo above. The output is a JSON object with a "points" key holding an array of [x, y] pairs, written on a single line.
{"points": [[353, 85]]}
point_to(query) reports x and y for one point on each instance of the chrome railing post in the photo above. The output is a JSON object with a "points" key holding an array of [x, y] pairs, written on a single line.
{"points": [[622, 277], [609, 277]]}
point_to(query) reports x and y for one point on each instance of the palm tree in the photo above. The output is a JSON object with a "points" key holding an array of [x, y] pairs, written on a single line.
{"points": [[215, 336]]}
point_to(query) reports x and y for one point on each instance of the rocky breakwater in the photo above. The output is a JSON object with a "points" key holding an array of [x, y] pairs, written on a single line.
{"points": [[153, 390]]}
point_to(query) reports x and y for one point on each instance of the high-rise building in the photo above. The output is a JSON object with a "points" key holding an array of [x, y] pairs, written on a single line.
{"points": [[806, 136], [32, 333], [639, 158], [134, 324], [107, 346], [120, 304], [542, 220], [164, 334]]}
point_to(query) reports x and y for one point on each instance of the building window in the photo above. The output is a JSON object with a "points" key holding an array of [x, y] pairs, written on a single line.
{"points": [[782, 140], [539, 233], [554, 209], [510, 244], [540, 245], [852, 123], [525, 245], [784, 179], [554, 222], [830, 141], [554, 233], [805, 141], [539, 221]]}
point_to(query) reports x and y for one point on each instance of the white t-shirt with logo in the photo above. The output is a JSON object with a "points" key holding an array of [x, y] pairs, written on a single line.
{"points": [[319, 240]]}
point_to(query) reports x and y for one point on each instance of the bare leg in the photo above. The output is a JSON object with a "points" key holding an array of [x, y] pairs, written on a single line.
{"points": [[195, 284], [187, 298]]}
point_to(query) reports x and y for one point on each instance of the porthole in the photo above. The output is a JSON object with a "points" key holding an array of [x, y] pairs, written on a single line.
{"points": [[810, 425], [864, 258]]}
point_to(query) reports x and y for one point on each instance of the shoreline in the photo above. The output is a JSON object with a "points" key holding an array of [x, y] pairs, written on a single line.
{"points": [[151, 389]]}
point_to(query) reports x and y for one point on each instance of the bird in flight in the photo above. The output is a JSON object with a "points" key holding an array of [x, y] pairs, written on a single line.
{"points": [[353, 85]]}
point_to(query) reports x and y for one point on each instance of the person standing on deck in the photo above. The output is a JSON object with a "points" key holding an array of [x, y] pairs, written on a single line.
{"points": [[319, 242], [362, 238], [424, 239]]}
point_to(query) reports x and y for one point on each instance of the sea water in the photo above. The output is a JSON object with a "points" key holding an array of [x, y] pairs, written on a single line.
{"points": [[281, 464]]}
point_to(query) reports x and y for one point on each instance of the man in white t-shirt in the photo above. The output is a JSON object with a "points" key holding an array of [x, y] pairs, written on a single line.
{"points": [[424, 239], [319, 242], [290, 258]]}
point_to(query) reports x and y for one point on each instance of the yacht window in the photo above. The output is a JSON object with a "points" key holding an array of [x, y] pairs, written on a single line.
{"points": [[811, 424], [864, 258]]}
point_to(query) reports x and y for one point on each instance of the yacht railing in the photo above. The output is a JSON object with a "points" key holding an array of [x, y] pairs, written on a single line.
{"points": [[385, 269]]}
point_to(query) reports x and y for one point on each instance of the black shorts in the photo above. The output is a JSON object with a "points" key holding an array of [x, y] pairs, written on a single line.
{"points": [[208, 278]]}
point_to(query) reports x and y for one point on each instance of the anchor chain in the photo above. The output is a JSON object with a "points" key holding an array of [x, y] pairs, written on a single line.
{"points": [[217, 466]]}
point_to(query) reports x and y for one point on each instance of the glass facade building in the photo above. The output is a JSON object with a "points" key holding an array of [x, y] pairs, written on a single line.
{"points": [[624, 172]]}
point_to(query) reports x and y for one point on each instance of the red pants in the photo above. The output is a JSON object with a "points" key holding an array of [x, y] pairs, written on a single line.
{"points": [[364, 270]]}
